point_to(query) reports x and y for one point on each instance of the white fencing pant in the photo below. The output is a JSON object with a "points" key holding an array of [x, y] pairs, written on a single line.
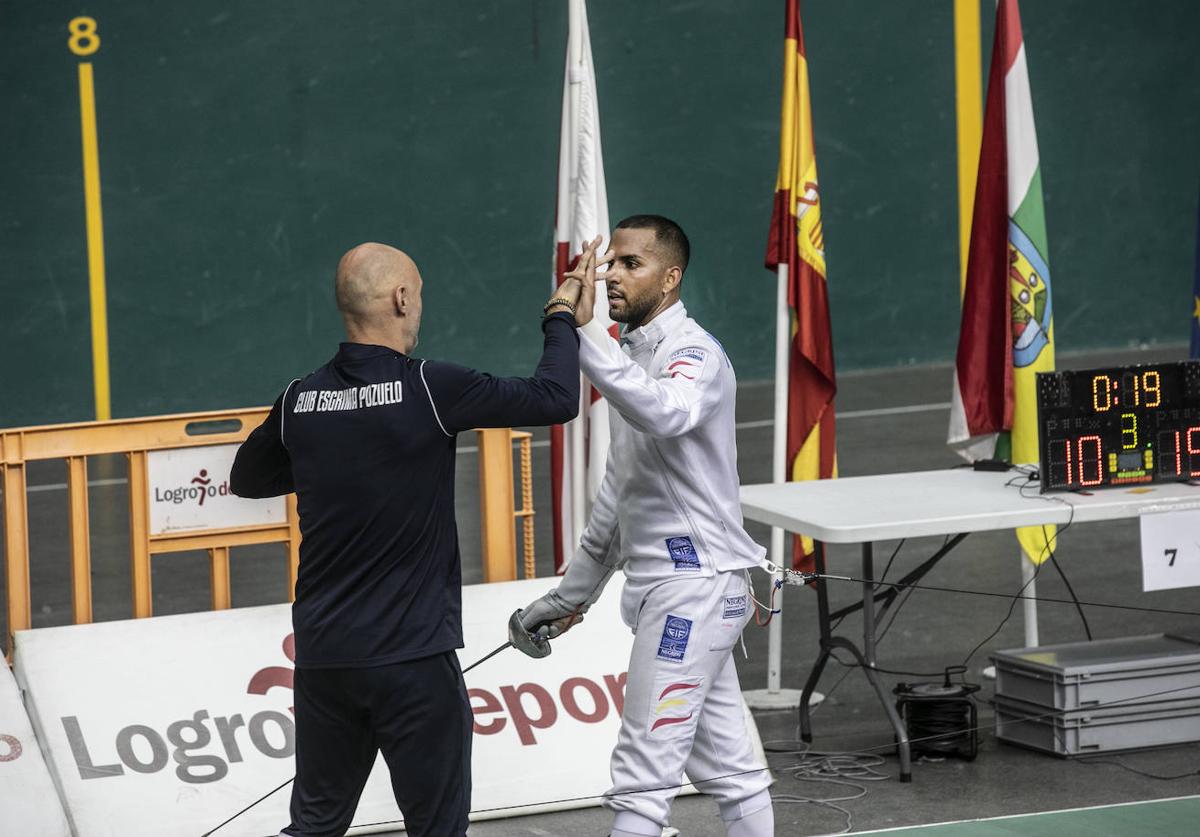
{"points": [[683, 704]]}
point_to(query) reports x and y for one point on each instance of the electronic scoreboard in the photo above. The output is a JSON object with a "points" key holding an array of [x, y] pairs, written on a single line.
{"points": [[1119, 426]]}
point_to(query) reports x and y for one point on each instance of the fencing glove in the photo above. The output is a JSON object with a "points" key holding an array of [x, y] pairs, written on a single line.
{"points": [[565, 605]]}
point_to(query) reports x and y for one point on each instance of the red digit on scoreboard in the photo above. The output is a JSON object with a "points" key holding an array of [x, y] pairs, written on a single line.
{"points": [[1070, 475], [1097, 461], [1178, 455], [1193, 450]]}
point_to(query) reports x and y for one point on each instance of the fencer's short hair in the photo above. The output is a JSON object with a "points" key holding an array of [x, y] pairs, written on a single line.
{"points": [[667, 234]]}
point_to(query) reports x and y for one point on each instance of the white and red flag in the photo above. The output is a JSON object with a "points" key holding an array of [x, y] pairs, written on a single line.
{"points": [[578, 450]]}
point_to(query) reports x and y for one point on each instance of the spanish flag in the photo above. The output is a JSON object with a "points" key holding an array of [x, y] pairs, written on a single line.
{"points": [[1007, 331], [796, 250]]}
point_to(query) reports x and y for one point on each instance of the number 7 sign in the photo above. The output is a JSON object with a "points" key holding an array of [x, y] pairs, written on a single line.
{"points": [[1170, 550]]}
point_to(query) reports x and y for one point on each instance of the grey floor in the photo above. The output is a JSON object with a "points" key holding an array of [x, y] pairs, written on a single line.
{"points": [[930, 631]]}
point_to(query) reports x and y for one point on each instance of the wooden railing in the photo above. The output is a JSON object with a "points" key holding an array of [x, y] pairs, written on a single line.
{"points": [[138, 437], [497, 503]]}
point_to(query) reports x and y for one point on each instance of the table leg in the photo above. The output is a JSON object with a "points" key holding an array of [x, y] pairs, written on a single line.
{"points": [[814, 676], [902, 746]]}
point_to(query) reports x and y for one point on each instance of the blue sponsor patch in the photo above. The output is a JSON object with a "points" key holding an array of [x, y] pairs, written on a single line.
{"points": [[684, 555], [673, 644], [692, 353], [735, 606]]}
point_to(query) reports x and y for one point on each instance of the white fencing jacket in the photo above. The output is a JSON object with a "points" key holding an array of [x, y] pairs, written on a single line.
{"points": [[668, 506]]}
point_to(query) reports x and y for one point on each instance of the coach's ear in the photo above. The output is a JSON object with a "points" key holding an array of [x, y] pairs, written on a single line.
{"points": [[402, 300]]}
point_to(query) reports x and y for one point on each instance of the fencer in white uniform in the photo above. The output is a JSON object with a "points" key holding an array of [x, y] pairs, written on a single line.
{"points": [[668, 515]]}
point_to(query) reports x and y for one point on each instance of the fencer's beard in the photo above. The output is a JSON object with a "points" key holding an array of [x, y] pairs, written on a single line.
{"points": [[633, 311]]}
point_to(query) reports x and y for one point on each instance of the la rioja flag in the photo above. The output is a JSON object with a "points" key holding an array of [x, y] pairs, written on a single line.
{"points": [[578, 450], [1007, 333]]}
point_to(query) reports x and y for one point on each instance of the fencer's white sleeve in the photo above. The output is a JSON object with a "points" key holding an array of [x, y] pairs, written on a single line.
{"points": [[601, 537], [596, 558], [599, 554], [669, 405]]}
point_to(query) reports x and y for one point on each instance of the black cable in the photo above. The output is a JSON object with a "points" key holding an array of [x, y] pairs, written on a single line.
{"points": [[895, 552], [248, 807], [1046, 550], [829, 694], [857, 664], [1038, 717], [1079, 607], [867, 751], [843, 769], [604, 795], [892, 558], [1164, 611], [1187, 775], [904, 597], [889, 603], [1041, 716], [1012, 606], [863, 751]]}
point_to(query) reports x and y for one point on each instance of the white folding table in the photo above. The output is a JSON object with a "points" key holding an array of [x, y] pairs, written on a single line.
{"points": [[952, 502]]}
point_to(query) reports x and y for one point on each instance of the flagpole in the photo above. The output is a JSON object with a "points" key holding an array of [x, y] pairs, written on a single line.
{"points": [[775, 696], [575, 57], [783, 329], [1029, 605]]}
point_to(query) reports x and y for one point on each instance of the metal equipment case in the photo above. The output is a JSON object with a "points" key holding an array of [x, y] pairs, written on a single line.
{"points": [[1088, 697]]}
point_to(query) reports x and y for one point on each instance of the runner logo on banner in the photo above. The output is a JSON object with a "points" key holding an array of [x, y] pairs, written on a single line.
{"points": [[189, 492]]}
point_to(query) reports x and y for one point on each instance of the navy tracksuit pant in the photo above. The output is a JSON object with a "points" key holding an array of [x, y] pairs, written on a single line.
{"points": [[416, 712]]}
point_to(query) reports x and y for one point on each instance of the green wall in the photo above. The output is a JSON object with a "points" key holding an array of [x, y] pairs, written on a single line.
{"points": [[245, 146]]}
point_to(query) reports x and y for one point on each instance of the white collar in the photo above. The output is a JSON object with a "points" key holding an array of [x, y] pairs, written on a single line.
{"points": [[653, 332]]}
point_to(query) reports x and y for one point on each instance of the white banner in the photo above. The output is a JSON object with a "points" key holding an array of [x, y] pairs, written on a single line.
{"points": [[170, 725], [1170, 550], [189, 491], [28, 802]]}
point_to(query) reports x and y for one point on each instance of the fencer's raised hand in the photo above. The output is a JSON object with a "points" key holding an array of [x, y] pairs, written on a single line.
{"points": [[585, 273], [551, 614]]}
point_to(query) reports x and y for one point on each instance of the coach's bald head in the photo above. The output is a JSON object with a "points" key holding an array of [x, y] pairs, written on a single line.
{"points": [[378, 292]]}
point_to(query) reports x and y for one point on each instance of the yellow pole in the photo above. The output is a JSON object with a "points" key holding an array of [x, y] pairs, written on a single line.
{"points": [[968, 87], [95, 242]]}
